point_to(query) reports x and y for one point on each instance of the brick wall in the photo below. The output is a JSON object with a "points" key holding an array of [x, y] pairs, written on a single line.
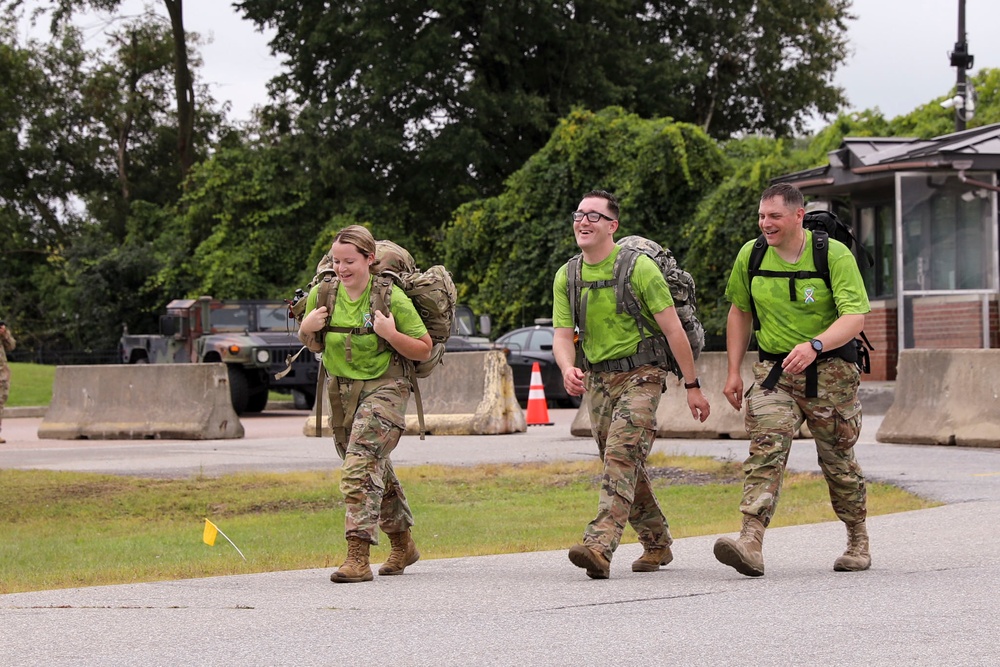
{"points": [[948, 322], [939, 322], [880, 327]]}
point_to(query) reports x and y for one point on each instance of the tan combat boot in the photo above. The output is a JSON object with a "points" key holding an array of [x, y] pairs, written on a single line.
{"points": [[856, 557], [744, 553], [652, 559], [597, 566], [404, 552], [356, 568]]}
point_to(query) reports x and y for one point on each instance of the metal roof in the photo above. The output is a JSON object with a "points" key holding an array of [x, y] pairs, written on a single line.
{"points": [[860, 159]]}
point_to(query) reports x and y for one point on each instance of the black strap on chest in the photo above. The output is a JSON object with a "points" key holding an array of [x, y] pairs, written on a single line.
{"points": [[821, 261]]}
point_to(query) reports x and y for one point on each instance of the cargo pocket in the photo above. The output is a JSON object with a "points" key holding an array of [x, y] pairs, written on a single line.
{"points": [[625, 491], [389, 415], [847, 424]]}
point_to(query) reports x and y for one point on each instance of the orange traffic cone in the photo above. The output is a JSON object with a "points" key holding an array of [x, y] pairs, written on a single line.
{"points": [[538, 407]]}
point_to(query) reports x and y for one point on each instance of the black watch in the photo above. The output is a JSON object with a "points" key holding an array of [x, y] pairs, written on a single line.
{"points": [[817, 345], [693, 385]]}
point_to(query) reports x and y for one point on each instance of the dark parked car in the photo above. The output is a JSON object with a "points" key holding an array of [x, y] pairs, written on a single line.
{"points": [[526, 346]]}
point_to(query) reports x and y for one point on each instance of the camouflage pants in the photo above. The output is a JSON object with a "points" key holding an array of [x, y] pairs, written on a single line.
{"points": [[4, 393], [372, 492], [773, 417], [623, 420]]}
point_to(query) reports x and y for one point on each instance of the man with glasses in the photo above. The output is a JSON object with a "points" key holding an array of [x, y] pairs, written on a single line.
{"points": [[622, 397]]}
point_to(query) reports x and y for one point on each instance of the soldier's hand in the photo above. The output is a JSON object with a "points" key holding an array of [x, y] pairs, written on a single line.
{"points": [[734, 391], [573, 381], [314, 321], [698, 403], [384, 325]]}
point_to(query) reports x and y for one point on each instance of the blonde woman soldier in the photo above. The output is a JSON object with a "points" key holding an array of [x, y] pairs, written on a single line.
{"points": [[361, 374]]}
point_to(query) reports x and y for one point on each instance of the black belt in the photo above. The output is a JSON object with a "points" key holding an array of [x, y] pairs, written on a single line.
{"points": [[624, 364], [847, 352]]}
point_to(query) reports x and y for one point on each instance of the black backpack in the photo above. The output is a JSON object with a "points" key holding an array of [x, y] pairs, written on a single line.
{"points": [[824, 225]]}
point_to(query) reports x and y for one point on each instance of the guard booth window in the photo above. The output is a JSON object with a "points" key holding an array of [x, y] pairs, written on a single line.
{"points": [[948, 254], [945, 224], [878, 237]]}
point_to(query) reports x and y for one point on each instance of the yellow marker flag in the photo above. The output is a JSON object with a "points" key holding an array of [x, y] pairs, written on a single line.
{"points": [[211, 532]]}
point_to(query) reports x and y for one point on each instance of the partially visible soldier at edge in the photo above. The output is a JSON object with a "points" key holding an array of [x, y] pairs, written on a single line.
{"points": [[622, 402], [810, 339], [7, 344]]}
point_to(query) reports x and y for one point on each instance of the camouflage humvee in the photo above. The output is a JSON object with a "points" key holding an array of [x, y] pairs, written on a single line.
{"points": [[253, 339]]}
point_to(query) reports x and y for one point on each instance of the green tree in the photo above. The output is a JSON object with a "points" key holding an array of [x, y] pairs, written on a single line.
{"points": [[504, 250], [62, 12], [931, 120], [418, 108], [88, 139], [727, 218]]}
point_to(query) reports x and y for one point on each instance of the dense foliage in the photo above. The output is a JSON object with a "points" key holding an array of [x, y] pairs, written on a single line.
{"points": [[465, 130]]}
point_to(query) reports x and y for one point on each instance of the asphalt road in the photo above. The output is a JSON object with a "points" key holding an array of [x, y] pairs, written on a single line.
{"points": [[932, 596]]}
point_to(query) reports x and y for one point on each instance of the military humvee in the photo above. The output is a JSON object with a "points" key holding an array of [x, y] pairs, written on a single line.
{"points": [[253, 339]]}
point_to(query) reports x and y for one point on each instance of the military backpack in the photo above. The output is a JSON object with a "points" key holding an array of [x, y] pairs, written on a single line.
{"points": [[653, 347]]}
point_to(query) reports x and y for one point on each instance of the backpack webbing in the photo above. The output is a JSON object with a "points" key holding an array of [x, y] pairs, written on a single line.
{"points": [[652, 348], [854, 351], [399, 366]]}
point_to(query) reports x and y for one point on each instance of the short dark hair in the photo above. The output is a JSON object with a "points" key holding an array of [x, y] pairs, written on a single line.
{"points": [[610, 198], [789, 194]]}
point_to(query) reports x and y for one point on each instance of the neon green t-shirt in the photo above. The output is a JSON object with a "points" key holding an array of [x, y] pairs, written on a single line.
{"points": [[367, 363], [785, 323], [611, 335]]}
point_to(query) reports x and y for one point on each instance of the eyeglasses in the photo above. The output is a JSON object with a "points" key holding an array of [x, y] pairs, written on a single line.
{"points": [[593, 216]]}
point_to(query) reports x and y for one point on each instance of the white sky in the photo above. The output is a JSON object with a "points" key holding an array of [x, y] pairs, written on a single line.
{"points": [[900, 58]]}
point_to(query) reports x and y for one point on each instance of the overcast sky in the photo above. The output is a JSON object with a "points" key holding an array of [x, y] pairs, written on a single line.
{"points": [[900, 51]]}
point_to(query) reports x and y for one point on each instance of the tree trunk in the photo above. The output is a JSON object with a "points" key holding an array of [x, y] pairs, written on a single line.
{"points": [[183, 87]]}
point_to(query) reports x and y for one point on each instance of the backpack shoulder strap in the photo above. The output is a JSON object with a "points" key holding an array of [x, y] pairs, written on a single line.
{"points": [[624, 294], [574, 285], [381, 300], [756, 259], [757, 255], [821, 256], [326, 295]]}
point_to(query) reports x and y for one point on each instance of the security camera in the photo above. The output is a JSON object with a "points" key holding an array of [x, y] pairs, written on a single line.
{"points": [[958, 102]]}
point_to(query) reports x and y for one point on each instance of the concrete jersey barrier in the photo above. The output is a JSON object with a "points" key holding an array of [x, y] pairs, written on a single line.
{"points": [[139, 402], [471, 393], [945, 397]]}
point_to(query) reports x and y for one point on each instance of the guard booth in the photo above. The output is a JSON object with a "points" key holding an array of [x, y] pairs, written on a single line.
{"points": [[926, 210]]}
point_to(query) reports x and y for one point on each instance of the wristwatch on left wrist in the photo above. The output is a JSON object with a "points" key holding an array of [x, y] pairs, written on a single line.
{"points": [[693, 385], [817, 345]]}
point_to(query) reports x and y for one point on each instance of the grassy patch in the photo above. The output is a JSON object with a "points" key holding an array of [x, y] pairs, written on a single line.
{"points": [[79, 529], [30, 384]]}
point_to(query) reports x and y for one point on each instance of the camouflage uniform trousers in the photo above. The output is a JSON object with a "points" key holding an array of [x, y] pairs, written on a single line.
{"points": [[372, 492], [773, 417], [623, 420], [4, 392]]}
